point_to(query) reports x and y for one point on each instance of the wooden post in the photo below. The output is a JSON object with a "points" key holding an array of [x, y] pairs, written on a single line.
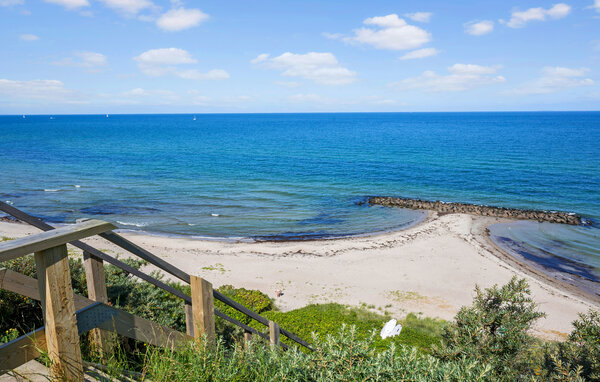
{"points": [[247, 337], [274, 333], [56, 296], [102, 341], [189, 319], [203, 309]]}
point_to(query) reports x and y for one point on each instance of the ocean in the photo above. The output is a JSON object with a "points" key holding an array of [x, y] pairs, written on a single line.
{"points": [[304, 176]]}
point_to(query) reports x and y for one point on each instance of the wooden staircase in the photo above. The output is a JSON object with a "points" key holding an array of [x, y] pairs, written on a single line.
{"points": [[67, 315]]}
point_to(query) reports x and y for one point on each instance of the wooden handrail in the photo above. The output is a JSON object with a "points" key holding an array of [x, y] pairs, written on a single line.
{"points": [[13, 249], [93, 251], [161, 264]]}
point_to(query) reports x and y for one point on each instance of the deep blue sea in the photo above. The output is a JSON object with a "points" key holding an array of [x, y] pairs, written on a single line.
{"points": [[298, 176]]}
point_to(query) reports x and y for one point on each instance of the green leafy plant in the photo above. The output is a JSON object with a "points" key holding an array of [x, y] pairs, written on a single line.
{"points": [[494, 330], [580, 353]]}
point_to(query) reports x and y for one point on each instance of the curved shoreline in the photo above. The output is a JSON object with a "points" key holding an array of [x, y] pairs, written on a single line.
{"points": [[560, 217], [430, 268]]}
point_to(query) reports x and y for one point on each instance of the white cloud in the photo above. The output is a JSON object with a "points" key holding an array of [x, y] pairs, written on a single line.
{"points": [[334, 36], [192, 74], [596, 5], [519, 19], [422, 17], [461, 77], [554, 79], [180, 19], [29, 37], [165, 56], [260, 58], [322, 68], [70, 4], [420, 53], [160, 62], [38, 89], [390, 32], [478, 28], [10, 3], [387, 32], [89, 60], [129, 7]]}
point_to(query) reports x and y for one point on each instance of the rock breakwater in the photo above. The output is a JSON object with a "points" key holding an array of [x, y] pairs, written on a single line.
{"points": [[475, 209]]}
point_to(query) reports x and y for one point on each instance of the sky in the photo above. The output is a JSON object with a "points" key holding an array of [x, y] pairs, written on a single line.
{"points": [[151, 56]]}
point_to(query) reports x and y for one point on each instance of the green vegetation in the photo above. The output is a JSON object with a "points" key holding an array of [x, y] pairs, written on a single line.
{"points": [[494, 329], [324, 319], [488, 340], [339, 357]]}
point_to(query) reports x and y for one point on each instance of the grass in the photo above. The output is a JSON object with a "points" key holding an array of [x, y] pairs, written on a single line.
{"points": [[324, 319]]}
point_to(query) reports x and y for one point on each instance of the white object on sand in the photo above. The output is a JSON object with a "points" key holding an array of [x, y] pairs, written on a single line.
{"points": [[390, 329]]}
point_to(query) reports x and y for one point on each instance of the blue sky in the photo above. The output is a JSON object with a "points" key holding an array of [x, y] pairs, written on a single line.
{"points": [[150, 56]]}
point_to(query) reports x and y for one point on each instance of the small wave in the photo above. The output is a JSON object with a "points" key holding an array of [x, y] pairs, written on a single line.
{"points": [[133, 224], [215, 215], [51, 189], [76, 186], [191, 224], [9, 202]]}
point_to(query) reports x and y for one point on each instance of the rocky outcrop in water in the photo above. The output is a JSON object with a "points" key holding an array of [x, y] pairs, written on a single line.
{"points": [[474, 209]]}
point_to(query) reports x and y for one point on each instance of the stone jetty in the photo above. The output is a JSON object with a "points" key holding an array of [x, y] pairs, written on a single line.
{"points": [[474, 209]]}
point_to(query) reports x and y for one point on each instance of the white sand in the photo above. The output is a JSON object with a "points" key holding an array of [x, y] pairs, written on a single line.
{"points": [[431, 268]]}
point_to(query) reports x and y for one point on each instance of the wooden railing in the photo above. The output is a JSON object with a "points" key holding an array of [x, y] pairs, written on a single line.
{"points": [[66, 315]]}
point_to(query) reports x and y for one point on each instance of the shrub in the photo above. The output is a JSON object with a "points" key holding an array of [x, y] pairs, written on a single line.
{"points": [[580, 353], [494, 330], [252, 299], [340, 357]]}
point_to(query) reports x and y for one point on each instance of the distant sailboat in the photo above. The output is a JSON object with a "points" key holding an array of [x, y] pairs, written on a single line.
{"points": [[106, 115], [194, 118], [23, 115], [51, 117]]}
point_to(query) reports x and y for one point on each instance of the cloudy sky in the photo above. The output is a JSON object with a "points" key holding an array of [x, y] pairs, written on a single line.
{"points": [[154, 56]]}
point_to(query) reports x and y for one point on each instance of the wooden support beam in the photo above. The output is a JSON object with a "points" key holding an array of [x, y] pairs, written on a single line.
{"points": [[274, 333], [102, 341], [13, 249], [189, 319], [62, 338], [22, 350], [203, 309], [247, 337]]}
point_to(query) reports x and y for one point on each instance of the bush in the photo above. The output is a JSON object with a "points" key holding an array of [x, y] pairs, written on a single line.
{"points": [[252, 299], [494, 330], [579, 355], [342, 357]]}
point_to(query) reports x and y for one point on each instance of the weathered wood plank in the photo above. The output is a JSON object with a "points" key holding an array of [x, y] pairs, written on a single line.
{"points": [[102, 341], [19, 247], [28, 287], [21, 350], [62, 338], [203, 308], [189, 319], [141, 329], [274, 333]]}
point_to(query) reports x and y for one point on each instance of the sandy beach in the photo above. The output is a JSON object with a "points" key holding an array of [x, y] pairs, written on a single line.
{"points": [[431, 268]]}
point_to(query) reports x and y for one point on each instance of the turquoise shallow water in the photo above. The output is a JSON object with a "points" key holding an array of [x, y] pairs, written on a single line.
{"points": [[298, 176]]}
